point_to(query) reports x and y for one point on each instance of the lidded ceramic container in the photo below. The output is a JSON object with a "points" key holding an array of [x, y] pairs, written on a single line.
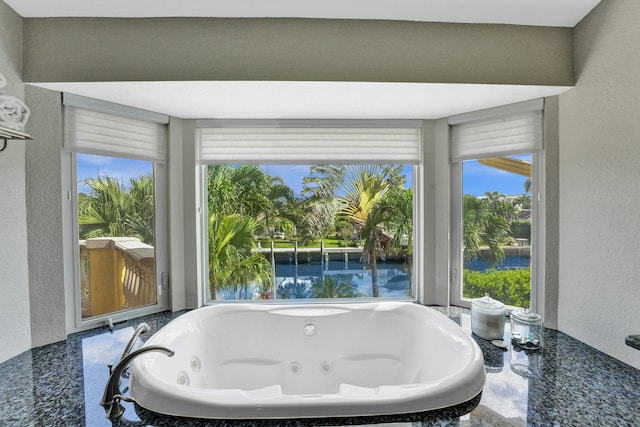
{"points": [[526, 329], [487, 318]]}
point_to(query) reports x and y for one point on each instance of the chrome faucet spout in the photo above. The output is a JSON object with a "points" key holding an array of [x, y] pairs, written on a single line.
{"points": [[112, 395], [141, 329]]}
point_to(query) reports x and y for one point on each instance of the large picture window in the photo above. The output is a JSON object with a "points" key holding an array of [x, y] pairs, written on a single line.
{"points": [[494, 155], [281, 230], [496, 229], [116, 155]]}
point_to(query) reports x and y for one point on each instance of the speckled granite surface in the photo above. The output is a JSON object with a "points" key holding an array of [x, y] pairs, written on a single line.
{"points": [[569, 384]]}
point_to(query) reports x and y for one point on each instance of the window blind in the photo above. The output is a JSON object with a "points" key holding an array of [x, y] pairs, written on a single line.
{"points": [[509, 130], [393, 143], [97, 127]]}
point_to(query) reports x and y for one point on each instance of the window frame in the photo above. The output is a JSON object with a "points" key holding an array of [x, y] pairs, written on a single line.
{"points": [[537, 233], [201, 203], [71, 250]]}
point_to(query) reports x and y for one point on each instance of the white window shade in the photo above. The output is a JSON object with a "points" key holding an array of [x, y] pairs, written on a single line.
{"points": [[495, 135], [310, 145], [118, 134]]}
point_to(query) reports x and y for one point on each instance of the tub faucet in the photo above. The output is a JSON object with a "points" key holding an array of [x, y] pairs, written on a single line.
{"points": [[141, 329], [112, 394]]}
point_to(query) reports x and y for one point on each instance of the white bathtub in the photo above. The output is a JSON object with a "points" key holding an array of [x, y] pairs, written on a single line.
{"points": [[240, 361]]}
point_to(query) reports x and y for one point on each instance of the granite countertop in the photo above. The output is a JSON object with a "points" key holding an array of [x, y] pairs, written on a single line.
{"points": [[572, 384]]}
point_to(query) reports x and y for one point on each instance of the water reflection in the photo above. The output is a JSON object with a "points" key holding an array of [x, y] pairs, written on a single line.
{"points": [[505, 395], [97, 352], [350, 279]]}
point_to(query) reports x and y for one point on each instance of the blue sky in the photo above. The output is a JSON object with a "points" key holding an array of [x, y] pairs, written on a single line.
{"points": [[478, 178], [293, 175], [90, 166]]}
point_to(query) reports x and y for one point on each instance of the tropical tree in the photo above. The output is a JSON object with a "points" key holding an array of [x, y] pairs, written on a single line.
{"points": [[283, 213], [363, 203], [483, 226], [249, 191], [500, 205], [397, 209], [523, 201], [232, 265], [141, 217], [113, 210], [320, 190], [244, 202]]}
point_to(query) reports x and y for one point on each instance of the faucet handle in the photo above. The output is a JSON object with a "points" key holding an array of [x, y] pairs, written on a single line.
{"points": [[110, 366]]}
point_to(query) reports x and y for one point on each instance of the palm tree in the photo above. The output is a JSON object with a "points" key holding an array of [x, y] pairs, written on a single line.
{"points": [[283, 213], [366, 187], [499, 204], [483, 225], [249, 191], [397, 208], [104, 212], [112, 210], [320, 190], [243, 203], [240, 190], [232, 265], [523, 201], [140, 221]]}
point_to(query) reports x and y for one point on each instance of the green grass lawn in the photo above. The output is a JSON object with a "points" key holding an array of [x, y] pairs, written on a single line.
{"points": [[330, 242]]}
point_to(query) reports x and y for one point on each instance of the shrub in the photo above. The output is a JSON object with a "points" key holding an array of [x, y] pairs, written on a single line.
{"points": [[512, 287]]}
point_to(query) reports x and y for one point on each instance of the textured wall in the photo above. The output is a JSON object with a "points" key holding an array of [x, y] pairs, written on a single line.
{"points": [[15, 333], [599, 298], [44, 217], [81, 49]]}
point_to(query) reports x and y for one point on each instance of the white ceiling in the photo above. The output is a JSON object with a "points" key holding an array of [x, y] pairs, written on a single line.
{"points": [[306, 100], [555, 13], [314, 100]]}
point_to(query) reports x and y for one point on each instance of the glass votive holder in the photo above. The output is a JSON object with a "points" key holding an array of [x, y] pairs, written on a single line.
{"points": [[526, 329]]}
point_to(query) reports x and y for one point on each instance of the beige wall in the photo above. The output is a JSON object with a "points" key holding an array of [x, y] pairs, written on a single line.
{"points": [[77, 49], [599, 298], [15, 329]]}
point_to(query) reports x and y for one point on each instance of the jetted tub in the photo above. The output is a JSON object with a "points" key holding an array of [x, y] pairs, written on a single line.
{"points": [[239, 361]]}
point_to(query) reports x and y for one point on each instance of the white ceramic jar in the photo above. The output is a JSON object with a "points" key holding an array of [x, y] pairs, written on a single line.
{"points": [[487, 318]]}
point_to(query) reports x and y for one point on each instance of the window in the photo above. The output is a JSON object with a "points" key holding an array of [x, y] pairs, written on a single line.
{"points": [[279, 227], [494, 155], [115, 190]]}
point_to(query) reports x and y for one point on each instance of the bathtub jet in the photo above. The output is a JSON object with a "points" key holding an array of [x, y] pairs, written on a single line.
{"points": [[239, 361]]}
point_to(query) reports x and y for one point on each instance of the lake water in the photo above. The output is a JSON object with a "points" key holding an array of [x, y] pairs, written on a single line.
{"points": [[295, 281], [510, 262], [394, 279]]}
